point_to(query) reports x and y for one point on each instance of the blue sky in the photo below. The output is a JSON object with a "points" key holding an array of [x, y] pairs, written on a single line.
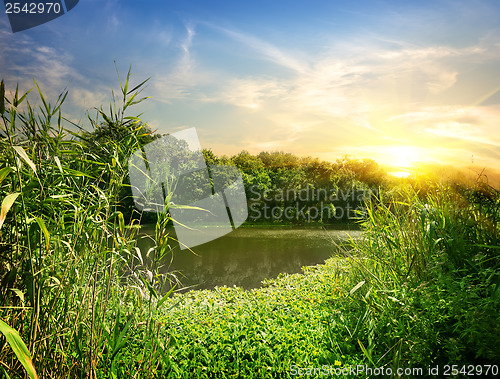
{"points": [[399, 82]]}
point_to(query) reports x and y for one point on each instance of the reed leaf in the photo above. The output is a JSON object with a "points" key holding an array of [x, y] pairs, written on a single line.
{"points": [[19, 150], [6, 205], [4, 172], [43, 228], [16, 343]]}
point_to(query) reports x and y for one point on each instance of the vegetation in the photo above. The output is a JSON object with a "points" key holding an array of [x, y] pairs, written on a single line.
{"points": [[78, 299], [285, 189], [427, 276], [421, 289], [68, 259]]}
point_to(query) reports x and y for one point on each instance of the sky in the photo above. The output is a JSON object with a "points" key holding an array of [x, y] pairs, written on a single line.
{"points": [[400, 82]]}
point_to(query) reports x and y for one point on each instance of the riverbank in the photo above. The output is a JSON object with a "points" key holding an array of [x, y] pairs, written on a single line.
{"points": [[355, 225]]}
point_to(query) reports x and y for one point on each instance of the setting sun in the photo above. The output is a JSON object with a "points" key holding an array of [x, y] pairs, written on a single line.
{"points": [[403, 157]]}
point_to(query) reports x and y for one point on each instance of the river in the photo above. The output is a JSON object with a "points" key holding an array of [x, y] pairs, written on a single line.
{"points": [[249, 255]]}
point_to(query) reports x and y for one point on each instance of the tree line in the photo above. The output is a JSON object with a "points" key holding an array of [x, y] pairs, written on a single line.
{"points": [[280, 187]]}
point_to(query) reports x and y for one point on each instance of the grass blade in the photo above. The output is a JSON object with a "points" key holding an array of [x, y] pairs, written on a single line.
{"points": [[46, 105], [356, 287], [6, 205], [25, 157], [363, 348], [137, 86], [43, 228], [18, 101], [16, 343]]}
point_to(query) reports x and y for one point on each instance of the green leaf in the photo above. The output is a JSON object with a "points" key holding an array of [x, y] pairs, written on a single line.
{"points": [[7, 376], [25, 157], [4, 172], [19, 294], [139, 255], [138, 101], [164, 298], [19, 101], [60, 101], [121, 222], [165, 357], [366, 352], [47, 106], [356, 287], [58, 163], [119, 339], [77, 337], [16, 343], [105, 117], [43, 228], [129, 102], [6, 205], [137, 86]]}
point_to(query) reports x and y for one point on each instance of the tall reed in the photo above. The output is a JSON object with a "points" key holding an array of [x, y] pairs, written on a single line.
{"points": [[425, 279], [74, 283]]}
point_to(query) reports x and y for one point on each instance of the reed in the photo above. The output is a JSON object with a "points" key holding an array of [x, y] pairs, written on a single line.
{"points": [[425, 279], [64, 245]]}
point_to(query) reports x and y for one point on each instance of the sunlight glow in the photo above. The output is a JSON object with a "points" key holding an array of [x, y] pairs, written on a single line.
{"points": [[403, 156], [400, 174]]}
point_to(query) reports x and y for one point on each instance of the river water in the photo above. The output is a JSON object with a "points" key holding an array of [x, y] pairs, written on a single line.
{"points": [[249, 255]]}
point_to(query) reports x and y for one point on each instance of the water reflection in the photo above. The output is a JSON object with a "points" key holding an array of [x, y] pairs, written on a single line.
{"points": [[247, 256]]}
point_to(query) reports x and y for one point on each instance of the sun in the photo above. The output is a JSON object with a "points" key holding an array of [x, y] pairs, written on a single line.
{"points": [[403, 157]]}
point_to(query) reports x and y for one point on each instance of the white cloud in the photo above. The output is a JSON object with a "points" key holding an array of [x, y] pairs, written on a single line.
{"points": [[477, 124], [250, 93], [24, 60], [349, 95], [85, 98], [346, 81], [177, 81]]}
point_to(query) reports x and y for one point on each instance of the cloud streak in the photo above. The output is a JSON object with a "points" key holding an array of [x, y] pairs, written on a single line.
{"points": [[265, 49]]}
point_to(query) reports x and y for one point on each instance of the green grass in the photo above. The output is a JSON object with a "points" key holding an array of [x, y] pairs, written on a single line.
{"points": [[422, 287]]}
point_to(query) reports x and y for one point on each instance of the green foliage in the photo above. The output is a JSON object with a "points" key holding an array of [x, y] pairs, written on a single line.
{"points": [[108, 146], [431, 270], [19, 348], [68, 259], [285, 189], [260, 333], [421, 287]]}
